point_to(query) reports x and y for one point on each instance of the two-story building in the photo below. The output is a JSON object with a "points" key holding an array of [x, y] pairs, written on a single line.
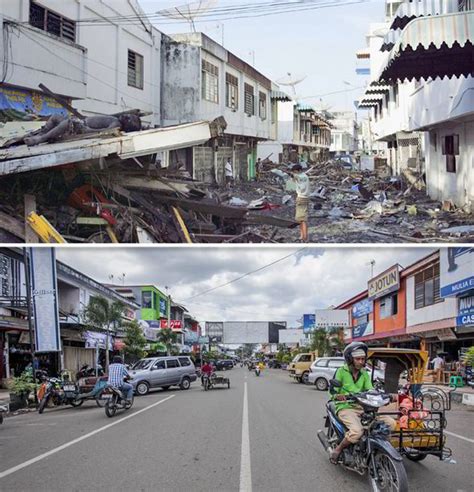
{"points": [[81, 51], [421, 93], [201, 80], [79, 343], [344, 134]]}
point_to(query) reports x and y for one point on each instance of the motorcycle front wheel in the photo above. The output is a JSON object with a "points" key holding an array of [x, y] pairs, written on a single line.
{"points": [[387, 474], [110, 408], [43, 403]]}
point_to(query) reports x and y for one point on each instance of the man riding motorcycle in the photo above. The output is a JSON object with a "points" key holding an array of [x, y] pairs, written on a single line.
{"points": [[354, 379], [117, 374]]}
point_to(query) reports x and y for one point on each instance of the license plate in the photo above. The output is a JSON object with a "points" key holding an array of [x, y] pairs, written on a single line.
{"points": [[69, 387]]}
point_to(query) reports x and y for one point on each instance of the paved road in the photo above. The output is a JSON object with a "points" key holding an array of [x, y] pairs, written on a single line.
{"points": [[194, 441]]}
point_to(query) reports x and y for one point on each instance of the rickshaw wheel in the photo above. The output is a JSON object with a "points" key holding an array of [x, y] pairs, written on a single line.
{"points": [[414, 455]]}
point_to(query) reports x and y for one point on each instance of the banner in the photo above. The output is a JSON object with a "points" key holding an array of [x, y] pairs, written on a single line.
{"points": [[23, 103], [44, 298], [92, 340], [363, 330], [309, 323], [175, 324], [456, 271]]}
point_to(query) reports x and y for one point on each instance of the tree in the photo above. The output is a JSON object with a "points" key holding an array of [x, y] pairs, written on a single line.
{"points": [[135, 341], [99, 313], [320, 342], [168, 338]]}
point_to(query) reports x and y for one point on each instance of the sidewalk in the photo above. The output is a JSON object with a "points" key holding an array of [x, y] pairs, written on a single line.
{"points": [[463, 395]]}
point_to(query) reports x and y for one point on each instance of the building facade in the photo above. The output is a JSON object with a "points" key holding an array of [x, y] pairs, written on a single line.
{"points": [[203, 81], [102, 67]]}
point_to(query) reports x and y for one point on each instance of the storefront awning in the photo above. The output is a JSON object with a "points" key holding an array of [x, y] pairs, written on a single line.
{"points": [[437, 46], [280, 96]]}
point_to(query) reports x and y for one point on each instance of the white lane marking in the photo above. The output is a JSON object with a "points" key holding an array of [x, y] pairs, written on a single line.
{"points": [[79, 439], [459, 437], [245, 468]]}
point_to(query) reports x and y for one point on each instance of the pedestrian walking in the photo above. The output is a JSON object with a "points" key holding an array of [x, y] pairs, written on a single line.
{"points": [[302, 199], [229, 174], [438, 365]]}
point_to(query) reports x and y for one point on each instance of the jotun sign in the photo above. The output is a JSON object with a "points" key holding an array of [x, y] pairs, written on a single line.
{"points": [[385, 283]]}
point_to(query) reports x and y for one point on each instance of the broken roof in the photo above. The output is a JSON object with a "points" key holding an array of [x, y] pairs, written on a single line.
{"points": [[22, 158]]}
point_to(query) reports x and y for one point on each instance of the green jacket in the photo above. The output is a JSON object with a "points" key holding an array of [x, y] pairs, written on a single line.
{"points": [[344, 375]]}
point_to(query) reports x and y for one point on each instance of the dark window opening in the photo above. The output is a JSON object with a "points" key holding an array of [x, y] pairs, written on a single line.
{"points": [[51, 22], [135, 70], [450, 148], [249, 99]]}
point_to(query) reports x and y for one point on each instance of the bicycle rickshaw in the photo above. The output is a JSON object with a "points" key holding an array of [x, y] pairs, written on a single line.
{"points": [[209, 382], [421, 415]]}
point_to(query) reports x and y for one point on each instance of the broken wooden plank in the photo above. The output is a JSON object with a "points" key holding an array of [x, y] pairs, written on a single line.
{"points": [[61, 101], [203, 207], [12, 225], [256, 219], [182, 226], [30, 206], [98, 221]]}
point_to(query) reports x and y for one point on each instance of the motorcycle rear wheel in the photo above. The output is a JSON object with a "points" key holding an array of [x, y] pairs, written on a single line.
{"points": [[76, 403], [110, 409], [389, 475]]}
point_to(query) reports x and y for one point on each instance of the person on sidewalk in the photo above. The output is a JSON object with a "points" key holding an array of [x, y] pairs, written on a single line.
{"points": [[302, 199], [229, 174], [117, 374], [438, 366], [354, 379]]}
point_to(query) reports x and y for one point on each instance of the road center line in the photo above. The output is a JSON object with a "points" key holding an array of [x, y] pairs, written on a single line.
{"points": [[459, 437], [245, 468], [79, 439]]}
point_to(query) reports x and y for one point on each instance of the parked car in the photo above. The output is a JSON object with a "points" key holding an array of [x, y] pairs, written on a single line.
{"points": [[162, 372], [224, 364], [323, 370]]}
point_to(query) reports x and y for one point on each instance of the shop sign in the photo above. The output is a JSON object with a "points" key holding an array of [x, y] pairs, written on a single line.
{"points": [[163, 309], [332, 318], [362, 308], [44, 299], [465, 311], [309, 323], [385, 283], [94, 340], [363, 330], [190, 337], [175, 324], [29, 102], [456, 271]]}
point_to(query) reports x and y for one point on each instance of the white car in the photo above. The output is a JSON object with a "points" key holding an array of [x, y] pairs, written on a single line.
{"points": [[323, 370]]}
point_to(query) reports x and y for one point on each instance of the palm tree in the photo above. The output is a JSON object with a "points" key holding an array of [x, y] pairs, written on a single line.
{"points": [[320, 342], [99, 313], [168, 338]]}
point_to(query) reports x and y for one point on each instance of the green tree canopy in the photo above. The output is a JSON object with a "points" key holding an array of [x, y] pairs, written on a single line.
{"points": [[168, 338], [135, 341]]}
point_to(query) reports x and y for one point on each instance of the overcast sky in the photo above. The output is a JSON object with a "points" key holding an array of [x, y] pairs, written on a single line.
{"points": [[313, 278], [319, 44]]}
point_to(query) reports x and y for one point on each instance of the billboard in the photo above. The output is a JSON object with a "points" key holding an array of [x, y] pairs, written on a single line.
{"points": [[291, 336], [385, 283], [175, 324], [44, 297], [274, 328], [465, 311], [456, 271], [309, 323], [332, 318], [363, 329], [236, 332], [215, 330]]}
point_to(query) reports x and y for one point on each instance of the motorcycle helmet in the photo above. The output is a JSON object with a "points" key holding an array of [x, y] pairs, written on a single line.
{"points": [[353, 347]]}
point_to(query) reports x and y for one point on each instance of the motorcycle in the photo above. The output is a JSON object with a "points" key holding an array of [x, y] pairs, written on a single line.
{"points": [[58, 392], [257, 371], [373, 454], [117, 401]]}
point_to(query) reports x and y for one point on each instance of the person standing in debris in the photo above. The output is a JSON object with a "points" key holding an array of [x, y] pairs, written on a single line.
{"points": [[302, 199], [259, 168], [229, 174]]}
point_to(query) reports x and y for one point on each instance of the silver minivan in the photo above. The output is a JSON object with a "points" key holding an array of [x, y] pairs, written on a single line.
{"points": [[323, 370], [162, 372]]}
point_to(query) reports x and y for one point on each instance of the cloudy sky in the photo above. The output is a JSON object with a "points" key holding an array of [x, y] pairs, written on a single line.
{"points": [[317, 44], [309, 279]]}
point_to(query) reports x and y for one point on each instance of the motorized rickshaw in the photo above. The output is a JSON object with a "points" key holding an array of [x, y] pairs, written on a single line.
{"points": [[209, 382], [421, 414]]}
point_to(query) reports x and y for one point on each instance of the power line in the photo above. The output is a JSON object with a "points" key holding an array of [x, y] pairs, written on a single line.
{"points": [[245, 275]]}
